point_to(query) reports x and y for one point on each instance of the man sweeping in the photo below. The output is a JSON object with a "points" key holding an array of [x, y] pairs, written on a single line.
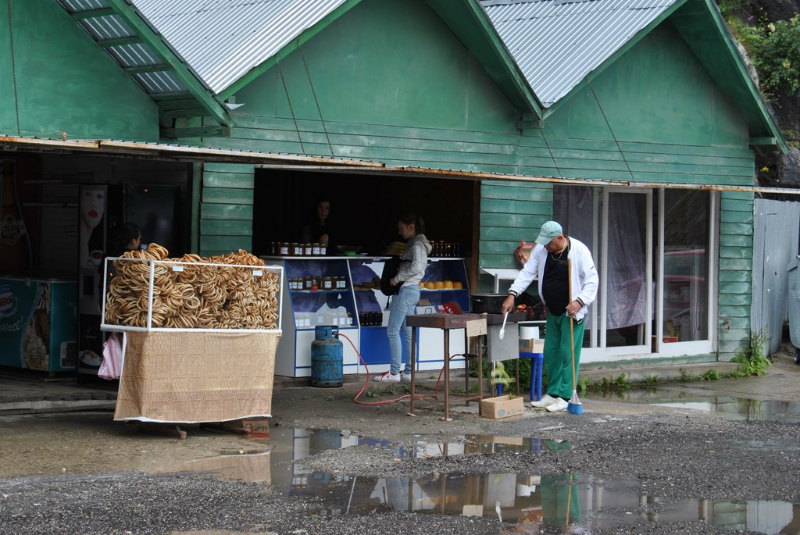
{"points": [[567, 285]]}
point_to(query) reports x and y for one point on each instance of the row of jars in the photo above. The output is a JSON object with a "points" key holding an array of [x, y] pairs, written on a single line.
{"points": [[445, 249], [318, 283], [297, 249]]}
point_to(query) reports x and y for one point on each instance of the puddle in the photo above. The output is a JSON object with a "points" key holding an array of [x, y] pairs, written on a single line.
{"points": [[532, 504], [731, 408]]}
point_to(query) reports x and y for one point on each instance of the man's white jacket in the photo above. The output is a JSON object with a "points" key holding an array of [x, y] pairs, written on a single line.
{"points": [[584, 274]]}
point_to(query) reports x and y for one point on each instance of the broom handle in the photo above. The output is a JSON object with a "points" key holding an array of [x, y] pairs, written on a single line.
{"points": [[571, 332]]}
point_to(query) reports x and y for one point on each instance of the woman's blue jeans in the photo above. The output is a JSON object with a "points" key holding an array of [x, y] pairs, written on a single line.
{"points": [[402, 305]]}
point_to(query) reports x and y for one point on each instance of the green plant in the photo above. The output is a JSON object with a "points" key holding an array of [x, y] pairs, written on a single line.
{"points": [[583, 386], [473, 389], [753, 359], [393, 390], [651, 380], [777, 57], [373, 393], [686, 376], [407, 388], [329, 398], [710, 375], [621, 383], [306, 396], [458, 391]]}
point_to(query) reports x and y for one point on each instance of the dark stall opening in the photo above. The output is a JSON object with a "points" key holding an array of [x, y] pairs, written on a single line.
{"points": [[364, 208]]}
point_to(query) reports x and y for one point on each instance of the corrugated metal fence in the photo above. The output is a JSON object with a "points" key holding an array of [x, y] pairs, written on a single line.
{"points": [[775, 244]]}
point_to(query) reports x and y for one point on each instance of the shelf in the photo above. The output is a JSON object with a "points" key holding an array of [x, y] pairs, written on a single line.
{"points": [[341, 327], [444, 290], [320, 291]]}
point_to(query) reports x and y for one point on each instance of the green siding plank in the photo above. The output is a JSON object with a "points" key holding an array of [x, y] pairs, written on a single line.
{"points": [[228, 180], [516, 234], [689, 150], [685, 169], [226, 243], [228, 168], [733, 205], [736, 228], [515, 220], [227, 196], [515, 207], [501, 261], [735, 240], [736, 196], [728, 216], [674, 178], [505, 246], [517, 194], [736, 252], [735, 288], [745, 165], [226, 227], [226, 211], [734, 299], [735, 264], [735, 311], [735, 276]]}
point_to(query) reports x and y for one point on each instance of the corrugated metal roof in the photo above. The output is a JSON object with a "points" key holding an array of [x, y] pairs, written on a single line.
{"points": [[107, 27], [222, 40], [556, 44]]}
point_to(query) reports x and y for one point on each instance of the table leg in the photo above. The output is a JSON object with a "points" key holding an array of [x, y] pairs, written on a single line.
{"points": [[413, 353], [466, 368], [480, 365], [446, 375], [516, 363]]}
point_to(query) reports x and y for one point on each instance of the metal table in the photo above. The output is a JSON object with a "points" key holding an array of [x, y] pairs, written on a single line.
{"points": [[446, 322]]}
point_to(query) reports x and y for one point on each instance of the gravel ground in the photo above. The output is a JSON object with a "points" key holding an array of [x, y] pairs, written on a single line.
{"points": [[49, 485]]}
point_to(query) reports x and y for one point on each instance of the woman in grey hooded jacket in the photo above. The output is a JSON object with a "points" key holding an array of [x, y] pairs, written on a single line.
{"points": [[412, 268]]}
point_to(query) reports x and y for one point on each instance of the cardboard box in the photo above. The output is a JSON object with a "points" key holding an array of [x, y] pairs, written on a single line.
{"points": [[533, 345], [257, 428], [502, 407]]}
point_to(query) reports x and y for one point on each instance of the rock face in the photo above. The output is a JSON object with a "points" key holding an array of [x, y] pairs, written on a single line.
{"points": [[783, 170]]}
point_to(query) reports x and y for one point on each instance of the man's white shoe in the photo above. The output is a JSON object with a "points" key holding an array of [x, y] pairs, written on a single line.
{"points": [[405, 377], [559, 405], [388, 377], [545, 401]]}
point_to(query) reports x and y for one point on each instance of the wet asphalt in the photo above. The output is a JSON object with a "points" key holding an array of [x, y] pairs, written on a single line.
{"points": [[80, 472]]}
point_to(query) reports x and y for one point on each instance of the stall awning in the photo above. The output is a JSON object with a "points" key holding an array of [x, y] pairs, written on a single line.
{"points": [[267, 160]]}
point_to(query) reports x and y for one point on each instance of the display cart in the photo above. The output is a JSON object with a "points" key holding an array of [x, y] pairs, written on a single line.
{"points": [[361, 311], [199, 338]]}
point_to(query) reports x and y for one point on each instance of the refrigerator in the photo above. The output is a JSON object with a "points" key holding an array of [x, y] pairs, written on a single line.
{"points": [[38, 319], [154, 209]]}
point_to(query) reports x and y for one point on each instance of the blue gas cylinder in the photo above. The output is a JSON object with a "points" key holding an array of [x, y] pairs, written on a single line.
{"points": [[326, 357]]}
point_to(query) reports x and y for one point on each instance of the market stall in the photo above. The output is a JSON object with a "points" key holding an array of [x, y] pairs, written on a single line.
{"points": [[200, 335]]}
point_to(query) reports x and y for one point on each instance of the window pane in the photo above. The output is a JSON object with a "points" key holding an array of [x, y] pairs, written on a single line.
{"points": [[686, 232]]}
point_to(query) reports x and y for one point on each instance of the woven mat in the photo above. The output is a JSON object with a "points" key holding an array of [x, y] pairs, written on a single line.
{"points": [[197, 377]]}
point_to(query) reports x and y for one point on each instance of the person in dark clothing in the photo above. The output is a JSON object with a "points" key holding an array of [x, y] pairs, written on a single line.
{"points": [[320, 230]]}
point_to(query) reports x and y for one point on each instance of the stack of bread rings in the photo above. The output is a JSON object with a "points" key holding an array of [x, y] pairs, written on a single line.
{"points": [[200, 296]]}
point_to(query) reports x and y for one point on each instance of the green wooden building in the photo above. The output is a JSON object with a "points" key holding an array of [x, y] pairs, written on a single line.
{"points": [[634, 124]]}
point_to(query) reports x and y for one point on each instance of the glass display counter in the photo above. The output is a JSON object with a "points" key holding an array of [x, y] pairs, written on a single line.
{"points": [[361, 311]]}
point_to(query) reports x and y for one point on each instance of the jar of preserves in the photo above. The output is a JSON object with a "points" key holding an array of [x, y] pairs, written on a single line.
{"points": [[284, 249], [307, 250], [315, 249], [341, 283], [327, 283], [308, 281]]}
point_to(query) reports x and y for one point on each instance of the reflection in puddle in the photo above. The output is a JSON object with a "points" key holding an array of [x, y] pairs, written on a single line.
{"points": [[740, 408], [731, 408], [531, 504]]}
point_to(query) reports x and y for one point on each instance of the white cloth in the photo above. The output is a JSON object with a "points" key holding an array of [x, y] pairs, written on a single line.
{"points": [[584, 275], [112, 358]]}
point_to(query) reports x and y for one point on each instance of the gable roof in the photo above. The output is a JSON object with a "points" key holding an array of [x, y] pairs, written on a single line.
{"points": [[223, 41], [560, 45], [229, 44], [557, 43], [145, 57]]}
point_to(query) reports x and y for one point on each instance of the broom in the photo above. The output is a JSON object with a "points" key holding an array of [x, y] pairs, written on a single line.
{"points": [[574, 405]]}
